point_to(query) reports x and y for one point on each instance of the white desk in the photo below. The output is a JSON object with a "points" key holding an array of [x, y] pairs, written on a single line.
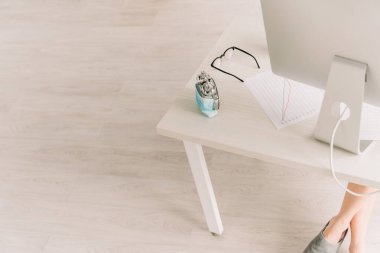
{"points": [[242, 127]]}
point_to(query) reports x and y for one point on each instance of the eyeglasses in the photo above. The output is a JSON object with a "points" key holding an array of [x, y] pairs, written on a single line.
{"points": [[228, 53]]}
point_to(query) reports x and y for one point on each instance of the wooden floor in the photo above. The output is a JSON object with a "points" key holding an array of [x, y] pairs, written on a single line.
{"points": [[83, 84]]}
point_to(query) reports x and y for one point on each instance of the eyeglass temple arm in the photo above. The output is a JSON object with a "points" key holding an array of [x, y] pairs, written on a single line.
{"points": [[241, 50]]}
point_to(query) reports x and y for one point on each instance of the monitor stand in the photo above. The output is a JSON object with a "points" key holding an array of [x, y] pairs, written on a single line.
{"points": [[345, 86]]}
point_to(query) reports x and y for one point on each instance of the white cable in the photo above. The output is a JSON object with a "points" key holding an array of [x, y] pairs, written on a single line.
{"points": [[332, 162]]}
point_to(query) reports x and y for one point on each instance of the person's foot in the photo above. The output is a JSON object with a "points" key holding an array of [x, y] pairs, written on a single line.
{"points": [[334, 231], [320, 244]]}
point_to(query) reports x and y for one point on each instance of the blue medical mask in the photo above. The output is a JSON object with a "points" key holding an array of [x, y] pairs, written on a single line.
{"points": [[206, 95]]}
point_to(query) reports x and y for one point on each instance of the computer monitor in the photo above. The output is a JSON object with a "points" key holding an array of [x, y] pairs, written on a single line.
{"points": [[330, 44]]}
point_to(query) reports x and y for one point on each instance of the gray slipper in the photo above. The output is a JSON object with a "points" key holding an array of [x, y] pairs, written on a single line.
{"points": [[320, 245]]}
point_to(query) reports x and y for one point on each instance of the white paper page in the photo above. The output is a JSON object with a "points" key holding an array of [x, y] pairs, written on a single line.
{"points": [[285, 102], [370, 128]]}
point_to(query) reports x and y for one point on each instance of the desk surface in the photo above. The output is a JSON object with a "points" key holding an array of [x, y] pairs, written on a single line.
{"points": [[242, 127]]}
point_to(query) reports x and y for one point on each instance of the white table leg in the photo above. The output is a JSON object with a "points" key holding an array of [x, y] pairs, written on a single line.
{"points": [[204, 187]]}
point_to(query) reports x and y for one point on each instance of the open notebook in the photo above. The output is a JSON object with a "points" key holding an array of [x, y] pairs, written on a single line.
{"points": [[287, 102]]}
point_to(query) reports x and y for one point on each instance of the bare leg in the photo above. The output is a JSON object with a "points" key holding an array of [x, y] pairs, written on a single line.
{"points": [[359, 225], [350, 207]]}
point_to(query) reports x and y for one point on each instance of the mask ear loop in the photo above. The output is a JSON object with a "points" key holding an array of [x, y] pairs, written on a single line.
{"points": [[224, 54]]}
